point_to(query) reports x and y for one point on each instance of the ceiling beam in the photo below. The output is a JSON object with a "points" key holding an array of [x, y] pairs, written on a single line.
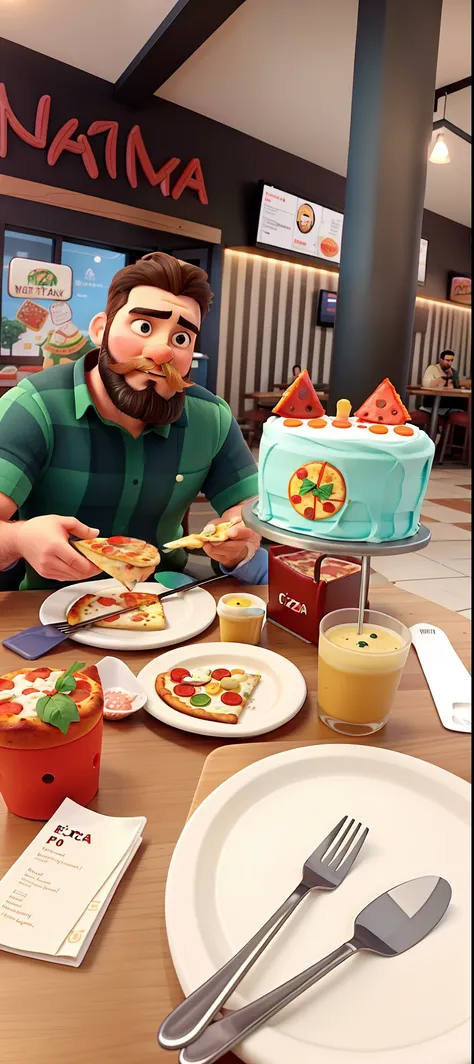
{"points": [[446, 90], [443, 123], [185, 28]]}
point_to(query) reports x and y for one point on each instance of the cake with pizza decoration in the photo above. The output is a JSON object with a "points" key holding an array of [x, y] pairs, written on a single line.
{"points": [[343, 478]]}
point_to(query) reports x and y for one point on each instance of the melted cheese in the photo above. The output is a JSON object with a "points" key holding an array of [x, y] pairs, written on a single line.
{"points": [[28, 702]]}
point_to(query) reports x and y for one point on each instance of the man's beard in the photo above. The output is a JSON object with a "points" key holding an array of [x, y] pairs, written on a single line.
{"points": [[145, 405]]}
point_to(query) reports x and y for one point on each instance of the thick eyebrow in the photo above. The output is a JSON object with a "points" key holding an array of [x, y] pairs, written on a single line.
{"points": [[188, 325], [147, 312]]}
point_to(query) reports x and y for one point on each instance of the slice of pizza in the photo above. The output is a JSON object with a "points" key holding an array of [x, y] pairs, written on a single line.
{"points": [[210, 694], [126, 560], [147, 613], [299, 400], [196, 540], [383, 407]]}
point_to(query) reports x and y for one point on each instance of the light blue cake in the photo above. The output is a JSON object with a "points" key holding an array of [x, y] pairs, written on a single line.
{"points": [[360, 482]]}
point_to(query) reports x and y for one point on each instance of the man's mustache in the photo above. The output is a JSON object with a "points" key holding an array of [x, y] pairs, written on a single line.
{"points": [[146, 365]]}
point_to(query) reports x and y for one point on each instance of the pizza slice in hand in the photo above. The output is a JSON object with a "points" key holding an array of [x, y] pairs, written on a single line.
{"points": [[125, 559], [197, 539]]}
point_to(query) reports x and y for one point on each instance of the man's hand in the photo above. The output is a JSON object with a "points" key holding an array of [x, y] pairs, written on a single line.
{"points": [[241, 545], [43, 542]]}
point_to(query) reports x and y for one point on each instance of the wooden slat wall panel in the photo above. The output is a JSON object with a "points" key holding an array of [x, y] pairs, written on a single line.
{"points": [[268, 323]]}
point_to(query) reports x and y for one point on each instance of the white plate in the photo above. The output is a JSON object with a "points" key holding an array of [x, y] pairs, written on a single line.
{"points": [[242, 853], [187, 614], [277, 698]]}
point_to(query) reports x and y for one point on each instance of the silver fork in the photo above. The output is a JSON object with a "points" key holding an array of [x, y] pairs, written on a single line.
{"points": [[325, 869]]}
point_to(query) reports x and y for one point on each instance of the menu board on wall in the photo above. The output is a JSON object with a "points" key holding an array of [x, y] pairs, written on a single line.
{"points": [[306, 228], [299, 225]]}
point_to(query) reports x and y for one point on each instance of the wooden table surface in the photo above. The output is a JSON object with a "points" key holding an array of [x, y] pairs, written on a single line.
{"points": [[416, 389], [107, 1011]]}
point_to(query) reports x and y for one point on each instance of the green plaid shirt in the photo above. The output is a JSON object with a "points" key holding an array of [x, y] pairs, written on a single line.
{"points": [[58, 455]]}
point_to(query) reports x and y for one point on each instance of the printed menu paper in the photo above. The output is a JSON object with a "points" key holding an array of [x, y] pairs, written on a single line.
{"points": [[55, 895]]}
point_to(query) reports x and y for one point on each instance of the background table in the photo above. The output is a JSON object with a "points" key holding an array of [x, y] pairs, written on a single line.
{"points": [[271, 398], [439, 394], [108, 1010]]}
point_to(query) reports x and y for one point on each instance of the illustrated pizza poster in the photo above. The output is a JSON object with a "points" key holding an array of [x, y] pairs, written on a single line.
{"points": [[51, 884]]}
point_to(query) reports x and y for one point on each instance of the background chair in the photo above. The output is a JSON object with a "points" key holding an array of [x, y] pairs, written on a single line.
{"points": [[459, 420]]}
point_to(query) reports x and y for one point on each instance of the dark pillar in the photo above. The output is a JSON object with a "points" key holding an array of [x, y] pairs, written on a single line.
{"points": [[391, 122]]}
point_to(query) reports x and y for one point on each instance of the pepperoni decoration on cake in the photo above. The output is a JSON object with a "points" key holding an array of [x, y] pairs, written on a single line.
{"points": [[317, 491]]}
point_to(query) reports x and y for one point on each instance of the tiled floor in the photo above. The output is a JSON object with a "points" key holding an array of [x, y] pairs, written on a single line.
{"points": [[441, 572]]}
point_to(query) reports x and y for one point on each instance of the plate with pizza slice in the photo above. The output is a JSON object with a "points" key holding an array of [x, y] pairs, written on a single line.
{"points": [[230, 690], [146, 627]]}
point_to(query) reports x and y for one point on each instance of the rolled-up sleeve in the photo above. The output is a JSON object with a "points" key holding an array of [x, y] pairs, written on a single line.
{"points": [[232, 476]]}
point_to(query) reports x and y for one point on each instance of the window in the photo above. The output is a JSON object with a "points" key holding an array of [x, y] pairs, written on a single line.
{"points": [[16, 339], [92, 272]]}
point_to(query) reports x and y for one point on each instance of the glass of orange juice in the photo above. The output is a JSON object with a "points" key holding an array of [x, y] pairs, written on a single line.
{"points": [[241, 618], [358, 674]]}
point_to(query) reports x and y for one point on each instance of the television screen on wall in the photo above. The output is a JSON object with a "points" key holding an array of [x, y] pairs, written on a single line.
{"points": [[459, 289], [289, 223], [326, 308]]}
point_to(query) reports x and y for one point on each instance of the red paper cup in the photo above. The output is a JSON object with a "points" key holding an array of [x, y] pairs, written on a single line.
{"points": [[33, 783]]}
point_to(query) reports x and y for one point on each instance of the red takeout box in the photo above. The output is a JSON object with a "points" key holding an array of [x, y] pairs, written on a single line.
{"points": [[304, 586]]}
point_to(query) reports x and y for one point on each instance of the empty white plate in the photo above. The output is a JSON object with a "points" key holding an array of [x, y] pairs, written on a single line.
{"points": [[278, 697], [241, 855], [187, 614]]}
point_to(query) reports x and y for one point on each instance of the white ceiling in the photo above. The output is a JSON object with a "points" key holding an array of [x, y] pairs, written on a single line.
{"points": [[279, 70]]}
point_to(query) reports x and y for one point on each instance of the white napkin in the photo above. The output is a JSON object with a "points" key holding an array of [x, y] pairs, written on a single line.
{"points": [[54, 896], [447, 677]]}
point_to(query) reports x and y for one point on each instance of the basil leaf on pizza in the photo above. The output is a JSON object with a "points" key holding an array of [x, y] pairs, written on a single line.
{"points": [[67, 681], [58, 710]]}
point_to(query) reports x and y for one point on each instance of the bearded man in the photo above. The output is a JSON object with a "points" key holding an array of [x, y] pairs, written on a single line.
{"points": [[120, 442]]}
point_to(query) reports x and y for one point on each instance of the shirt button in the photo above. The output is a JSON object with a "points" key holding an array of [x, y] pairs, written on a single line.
{"points": [[179, 478], [135, 482]]}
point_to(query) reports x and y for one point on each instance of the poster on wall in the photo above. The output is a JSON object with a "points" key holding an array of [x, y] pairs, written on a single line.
{"points": [[42, 325], [459, 289], [301, 226]]}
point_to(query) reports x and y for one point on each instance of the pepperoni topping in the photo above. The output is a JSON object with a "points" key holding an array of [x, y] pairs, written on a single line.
{"points": [[82, 691], [38, 674], [103, 601], [178, 674], [6, 685], [184, 690], [107, 549], [295, 499], [219, 674], [32, 691], [139, 617], [302, 473], [120, 539], [10, 707], [231, 698], [107, 620], [328, 507], [308, 512]]}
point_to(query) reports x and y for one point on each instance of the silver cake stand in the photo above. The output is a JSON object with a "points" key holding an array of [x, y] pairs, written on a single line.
{"points": [[360, 548]]}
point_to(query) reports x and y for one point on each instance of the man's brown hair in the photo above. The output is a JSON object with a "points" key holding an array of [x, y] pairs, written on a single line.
{"points": [[161, 271]]}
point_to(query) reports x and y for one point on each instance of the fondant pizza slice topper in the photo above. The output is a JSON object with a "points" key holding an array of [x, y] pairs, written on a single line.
{"points": [[383, 407], [317, 490], [299, 400]]}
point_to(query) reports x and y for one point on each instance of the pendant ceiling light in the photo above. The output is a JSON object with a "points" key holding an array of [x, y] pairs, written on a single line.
{"points": [[440, 153]]}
